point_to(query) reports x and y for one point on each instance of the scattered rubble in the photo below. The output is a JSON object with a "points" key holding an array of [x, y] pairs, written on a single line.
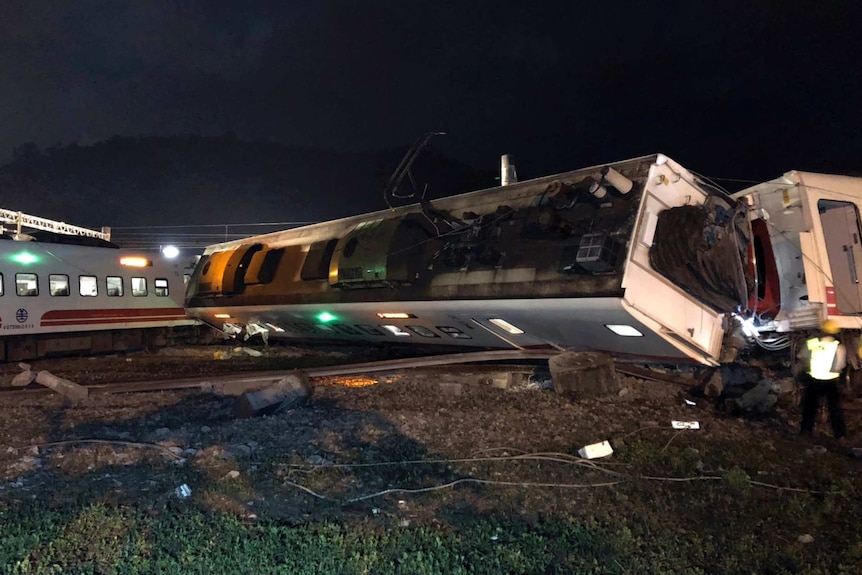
{"points": [[290, 391], [760, 398], [584, 374], [25, 378], [450, 388], [73, 391], [715, 386]]}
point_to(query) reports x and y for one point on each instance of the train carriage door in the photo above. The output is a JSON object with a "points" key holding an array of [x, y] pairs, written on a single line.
{"points": [[841, 232]]}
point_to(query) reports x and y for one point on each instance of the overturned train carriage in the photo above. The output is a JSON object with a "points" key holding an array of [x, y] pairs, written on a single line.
{"points": [[638, 258]]}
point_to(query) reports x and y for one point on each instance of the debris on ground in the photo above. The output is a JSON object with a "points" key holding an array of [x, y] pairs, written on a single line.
{"points": [[24, 378], [596, 450], [584, 374], [760, 398], [685, 424], [70, 389], [248, 351], [290, 391]]}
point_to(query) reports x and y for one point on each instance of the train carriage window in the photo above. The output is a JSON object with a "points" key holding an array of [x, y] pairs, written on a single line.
{"points": [[139, 287], [395, 330], [114, 285], [26, 285], [370, 329], [301, 328], [422, 330], [263, 265], [58, 284], [316, 264], [345, 329], [88, 286], [1, 284], [453, 332], [161, 287]]}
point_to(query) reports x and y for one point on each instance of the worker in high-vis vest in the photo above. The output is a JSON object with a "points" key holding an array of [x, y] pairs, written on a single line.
{"points": [[823, 361]]}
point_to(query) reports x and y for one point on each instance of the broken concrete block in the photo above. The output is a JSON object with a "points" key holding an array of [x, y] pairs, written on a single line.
{"points": [[70, 389], [24, 378], [715, 386], [760, 398], [585, 374], [508, 379], [290, 391], [450, 388]]}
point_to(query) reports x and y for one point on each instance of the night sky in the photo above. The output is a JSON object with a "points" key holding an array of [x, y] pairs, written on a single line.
{"points": [[729, 89]]}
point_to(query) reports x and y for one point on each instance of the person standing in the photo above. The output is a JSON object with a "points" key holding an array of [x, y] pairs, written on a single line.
{"points": [[823, 361]]}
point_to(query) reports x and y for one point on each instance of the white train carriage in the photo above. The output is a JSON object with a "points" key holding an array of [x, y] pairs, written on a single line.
{"points": [[638, 258], [65, 293], [808, 253]]}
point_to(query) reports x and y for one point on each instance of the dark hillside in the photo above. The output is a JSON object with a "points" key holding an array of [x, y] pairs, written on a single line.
{"points": [[219, 180]]}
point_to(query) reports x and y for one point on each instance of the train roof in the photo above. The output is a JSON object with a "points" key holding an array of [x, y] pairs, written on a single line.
{"points": [[523, 192]]}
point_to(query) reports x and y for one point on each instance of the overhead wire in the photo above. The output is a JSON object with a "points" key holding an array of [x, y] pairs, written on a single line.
{"points": [[194, 236]]}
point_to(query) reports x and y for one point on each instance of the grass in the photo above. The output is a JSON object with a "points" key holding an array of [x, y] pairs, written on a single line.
{"points": [[105, 540], [692, 528], [723, 525]]}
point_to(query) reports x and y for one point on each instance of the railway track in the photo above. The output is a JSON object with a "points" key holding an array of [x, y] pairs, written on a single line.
{"points": [[490, 361], [256, 379]]}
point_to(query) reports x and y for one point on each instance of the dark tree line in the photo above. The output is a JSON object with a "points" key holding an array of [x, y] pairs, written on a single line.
{"points": [[191, 180]]}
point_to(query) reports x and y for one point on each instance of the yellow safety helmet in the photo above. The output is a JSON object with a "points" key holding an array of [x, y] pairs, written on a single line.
{"points": [[830, 326]]}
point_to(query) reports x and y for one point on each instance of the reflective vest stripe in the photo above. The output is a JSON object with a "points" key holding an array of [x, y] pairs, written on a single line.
{"points": [[822, 356]]}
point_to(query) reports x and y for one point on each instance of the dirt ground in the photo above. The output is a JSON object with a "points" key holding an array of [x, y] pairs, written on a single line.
{"points": [[410, 446]]}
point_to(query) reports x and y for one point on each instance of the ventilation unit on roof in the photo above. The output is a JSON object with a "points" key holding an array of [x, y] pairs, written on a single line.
{"points": [[598, 253]]}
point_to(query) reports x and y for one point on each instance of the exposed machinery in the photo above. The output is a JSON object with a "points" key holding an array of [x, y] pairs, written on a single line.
{"points": [[639, 258]]}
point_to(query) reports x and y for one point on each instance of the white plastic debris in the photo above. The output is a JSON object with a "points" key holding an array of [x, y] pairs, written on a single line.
{"points": [[254, 328], [602, 449], [231, 329], [689, 402], [183, 491], [685, 424]]}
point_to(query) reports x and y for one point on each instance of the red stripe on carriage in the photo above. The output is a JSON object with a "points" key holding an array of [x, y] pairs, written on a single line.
{"points": [[832, 302], [103, 316]]}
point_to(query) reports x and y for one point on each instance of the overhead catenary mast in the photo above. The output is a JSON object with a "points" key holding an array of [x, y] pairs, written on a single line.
{"points": [[21, 220]]}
